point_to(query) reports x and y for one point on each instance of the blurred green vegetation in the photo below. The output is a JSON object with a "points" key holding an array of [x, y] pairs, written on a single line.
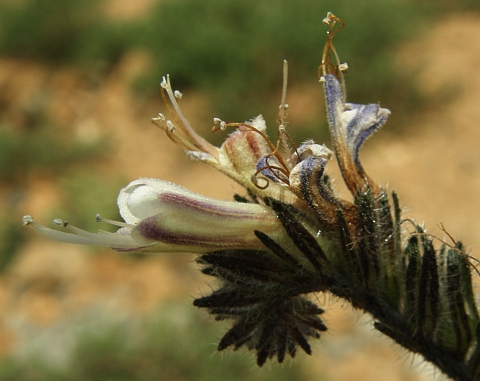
{"points": [[12, 236], [235, 50], [168, 345], [58, 32], [86, 194], [231, 50], [42, 150]]}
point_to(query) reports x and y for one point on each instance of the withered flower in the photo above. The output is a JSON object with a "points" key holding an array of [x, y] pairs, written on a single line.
{"points": [[290, 235]]}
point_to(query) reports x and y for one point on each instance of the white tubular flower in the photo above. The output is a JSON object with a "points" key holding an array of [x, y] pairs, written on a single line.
{"points": [[164, 217]]}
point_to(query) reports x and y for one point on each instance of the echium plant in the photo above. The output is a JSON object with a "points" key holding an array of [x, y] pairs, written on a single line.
{"points": [[290, 235]]}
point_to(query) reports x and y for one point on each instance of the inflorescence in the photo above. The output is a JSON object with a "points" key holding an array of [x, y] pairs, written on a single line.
{"points": [[291, 235]]}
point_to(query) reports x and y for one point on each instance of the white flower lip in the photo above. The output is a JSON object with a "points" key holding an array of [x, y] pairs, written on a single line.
{"points": [[139, 199]]}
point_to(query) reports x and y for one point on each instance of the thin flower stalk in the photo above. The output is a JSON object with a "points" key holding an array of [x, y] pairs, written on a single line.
{"points": [[291, 235]]}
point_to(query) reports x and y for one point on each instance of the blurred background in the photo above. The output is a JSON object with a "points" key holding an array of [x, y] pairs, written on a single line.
{"points": [[79, 83]]}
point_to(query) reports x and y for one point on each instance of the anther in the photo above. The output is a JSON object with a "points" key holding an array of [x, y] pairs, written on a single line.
{"points": [[59, 222], [27, 220], [343, 67], [98, 218], [164, 83], [170, 126], [222, 124], [328, 19]]}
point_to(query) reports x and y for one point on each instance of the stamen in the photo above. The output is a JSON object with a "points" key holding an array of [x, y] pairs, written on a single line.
{"points": [[178, 139], [287, 141], [343, 67], [195, 139], [98, 218], [283, 103], [178, 94], [59, 222], [328, 19], [114, 240], [282, 134], [272, 169], [27, 220], [100, 239], [170, 126], [327, 66], [255, 179], [222, 125]]}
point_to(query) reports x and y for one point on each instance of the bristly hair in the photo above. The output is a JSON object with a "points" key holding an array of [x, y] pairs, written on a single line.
{"points": [[419, 296]]}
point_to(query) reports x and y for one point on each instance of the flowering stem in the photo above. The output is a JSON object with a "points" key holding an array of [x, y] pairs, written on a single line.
{"points": [[437, 320]]}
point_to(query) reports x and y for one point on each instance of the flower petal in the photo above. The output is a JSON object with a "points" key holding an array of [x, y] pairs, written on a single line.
{"points": [[307, 183], [350, 125], [180, 220]]}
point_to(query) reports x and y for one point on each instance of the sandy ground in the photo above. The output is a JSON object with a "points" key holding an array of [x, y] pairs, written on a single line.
{"points": [[435, 169]]}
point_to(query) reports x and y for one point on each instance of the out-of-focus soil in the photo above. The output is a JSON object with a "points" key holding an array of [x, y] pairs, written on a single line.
{"points": [[435, 169]]}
